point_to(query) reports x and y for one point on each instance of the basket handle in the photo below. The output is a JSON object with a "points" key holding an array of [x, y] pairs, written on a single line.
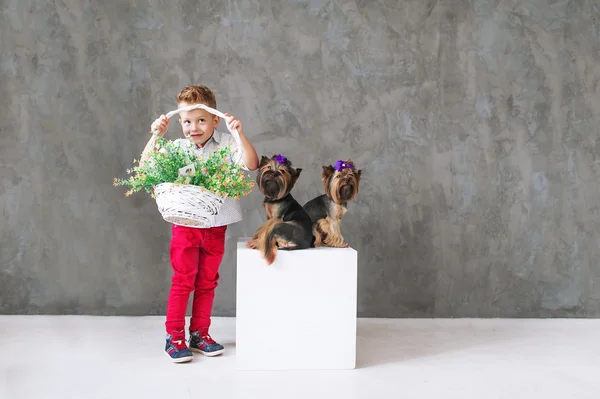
{"points": [[235, 133]]}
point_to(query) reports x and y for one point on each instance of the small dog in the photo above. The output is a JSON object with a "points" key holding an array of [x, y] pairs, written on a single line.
{"points": [[288, 226], [341, 186]]}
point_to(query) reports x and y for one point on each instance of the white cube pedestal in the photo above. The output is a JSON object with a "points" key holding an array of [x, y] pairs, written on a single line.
{"points": [[298, 313]]}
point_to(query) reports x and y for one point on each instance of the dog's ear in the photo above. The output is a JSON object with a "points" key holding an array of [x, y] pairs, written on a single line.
{"points": [[263, 161], [328, 171], [296, 174], [358, 172]]}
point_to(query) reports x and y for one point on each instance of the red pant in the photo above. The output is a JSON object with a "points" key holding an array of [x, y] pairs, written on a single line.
{"points": [[195, 257]]}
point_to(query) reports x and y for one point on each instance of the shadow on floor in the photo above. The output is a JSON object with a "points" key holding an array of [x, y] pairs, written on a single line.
{"points": [[386, 341]]}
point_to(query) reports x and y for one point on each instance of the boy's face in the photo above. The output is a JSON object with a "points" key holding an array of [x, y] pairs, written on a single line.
{"points": [[198, 125]]}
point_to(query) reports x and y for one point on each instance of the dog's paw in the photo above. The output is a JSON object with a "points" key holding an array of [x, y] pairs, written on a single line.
{"points": [[344, 245], [251, 245]]}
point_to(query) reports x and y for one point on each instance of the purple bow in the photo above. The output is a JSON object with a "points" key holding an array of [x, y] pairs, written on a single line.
{"points": [[341, 165], [282, 160]]}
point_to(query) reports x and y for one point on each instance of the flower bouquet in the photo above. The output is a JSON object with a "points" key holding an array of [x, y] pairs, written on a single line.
{"points": [[189, 190]]}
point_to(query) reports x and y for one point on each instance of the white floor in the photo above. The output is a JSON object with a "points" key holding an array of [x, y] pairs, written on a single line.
{"points": [[121, 357]]}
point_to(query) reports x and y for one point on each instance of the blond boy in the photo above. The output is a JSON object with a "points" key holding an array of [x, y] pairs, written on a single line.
{"points": [[196, 253]]}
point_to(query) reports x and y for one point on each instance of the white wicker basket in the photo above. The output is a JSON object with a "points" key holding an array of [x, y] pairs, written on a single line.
{"points": [[187, 205]]}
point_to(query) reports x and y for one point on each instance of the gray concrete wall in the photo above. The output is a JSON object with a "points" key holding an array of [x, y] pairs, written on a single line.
{"points": [[475, 122]]}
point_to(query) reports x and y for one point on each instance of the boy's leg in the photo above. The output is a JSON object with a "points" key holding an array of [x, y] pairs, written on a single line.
{"points": [[210, 256], [184, 260]]}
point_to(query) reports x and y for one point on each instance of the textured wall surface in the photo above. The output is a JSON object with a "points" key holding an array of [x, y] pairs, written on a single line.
{"points": [[475, 124]]}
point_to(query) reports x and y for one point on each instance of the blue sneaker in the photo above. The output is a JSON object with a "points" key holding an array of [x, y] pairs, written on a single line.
{"points": [[177, 350], [203, 343]]}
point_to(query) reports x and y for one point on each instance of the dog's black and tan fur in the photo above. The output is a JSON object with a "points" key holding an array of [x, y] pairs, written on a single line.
{"points": [[288, 226], [326, 210]]}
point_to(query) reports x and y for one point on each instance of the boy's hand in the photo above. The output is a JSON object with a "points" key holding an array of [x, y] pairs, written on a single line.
{"points": [[233, 123], [161, 124]]}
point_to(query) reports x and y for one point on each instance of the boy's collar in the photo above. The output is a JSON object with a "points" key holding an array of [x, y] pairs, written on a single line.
{"points": [[216, 136]]}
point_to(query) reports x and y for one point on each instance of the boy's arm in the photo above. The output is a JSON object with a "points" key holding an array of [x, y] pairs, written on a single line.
{"points": [[249, 155], [161, 124], [148, 149]]}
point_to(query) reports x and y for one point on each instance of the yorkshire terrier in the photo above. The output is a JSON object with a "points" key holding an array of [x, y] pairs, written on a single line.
{"points": [[288, 226], [341, 186]]}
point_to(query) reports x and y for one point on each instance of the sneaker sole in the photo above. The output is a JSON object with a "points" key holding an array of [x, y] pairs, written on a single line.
{"points": [[208, 354], [179, 359]]}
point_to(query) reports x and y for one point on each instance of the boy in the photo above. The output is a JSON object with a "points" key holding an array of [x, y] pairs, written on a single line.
{"points": [[196, 253]]}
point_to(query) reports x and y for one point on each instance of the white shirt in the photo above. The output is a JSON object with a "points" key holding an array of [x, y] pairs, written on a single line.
{"points": [[231, 210]]}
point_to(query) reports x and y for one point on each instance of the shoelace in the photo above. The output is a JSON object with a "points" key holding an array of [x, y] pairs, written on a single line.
{"points": [[178, 344], [207, 338]]}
